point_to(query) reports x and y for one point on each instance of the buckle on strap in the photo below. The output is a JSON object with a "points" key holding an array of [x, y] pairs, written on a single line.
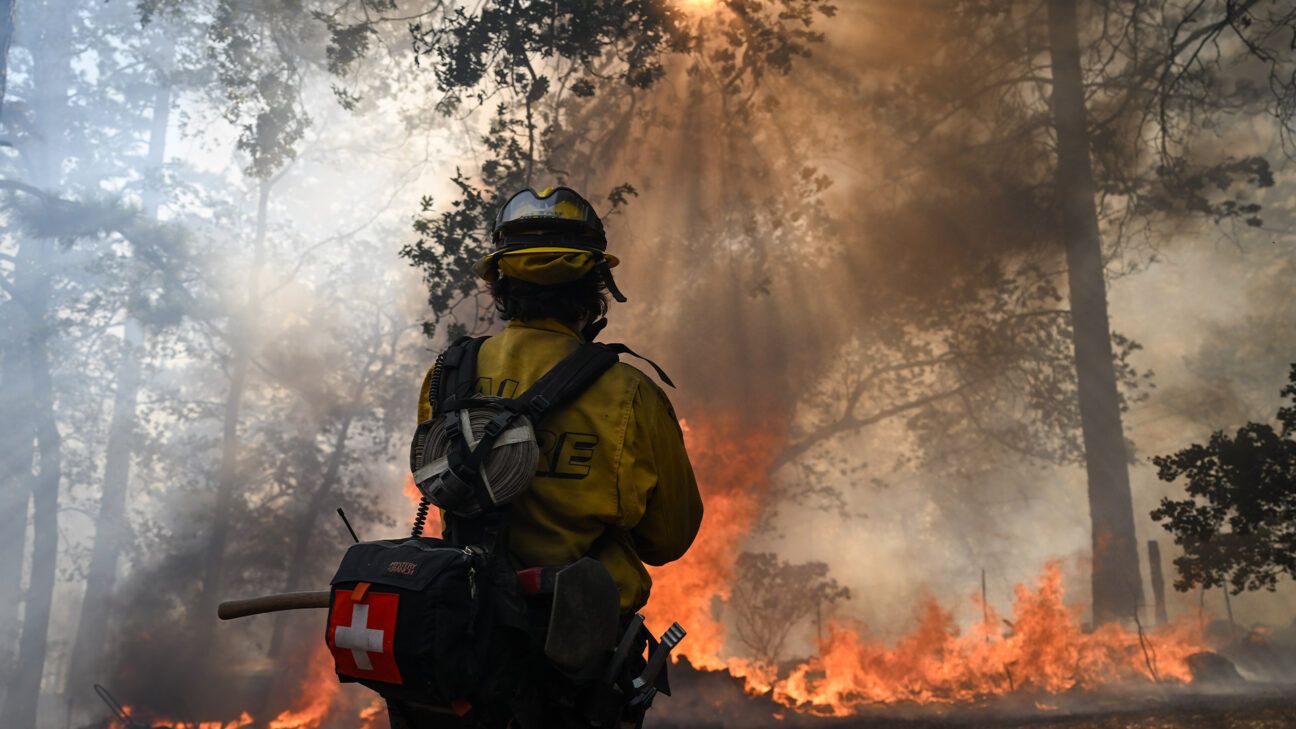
{"points": [[538, 405], [498, 423]]}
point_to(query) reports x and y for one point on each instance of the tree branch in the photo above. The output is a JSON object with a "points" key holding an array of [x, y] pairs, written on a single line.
{"points": [[851, 423]]}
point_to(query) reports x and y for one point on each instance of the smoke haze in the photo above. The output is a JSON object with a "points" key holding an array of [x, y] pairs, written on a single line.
{"points": [[780, 247]]}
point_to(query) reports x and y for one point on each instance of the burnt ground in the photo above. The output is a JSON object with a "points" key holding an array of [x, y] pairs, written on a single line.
{"points": [[705, 700]]}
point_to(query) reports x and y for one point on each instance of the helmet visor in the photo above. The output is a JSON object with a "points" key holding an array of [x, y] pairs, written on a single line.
{"points": [[561, 206]]}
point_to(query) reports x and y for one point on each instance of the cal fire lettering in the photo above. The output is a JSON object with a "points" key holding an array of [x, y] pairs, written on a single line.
{"points": [[507, 388], [566, 455], [361, 635]]}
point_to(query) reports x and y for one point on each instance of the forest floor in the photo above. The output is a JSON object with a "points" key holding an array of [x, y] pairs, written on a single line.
{"points": [[1204, 712], [1261, 711], [705, 700]]}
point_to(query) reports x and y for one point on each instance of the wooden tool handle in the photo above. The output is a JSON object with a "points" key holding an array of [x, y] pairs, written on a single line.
{"points": [[273, 604]]}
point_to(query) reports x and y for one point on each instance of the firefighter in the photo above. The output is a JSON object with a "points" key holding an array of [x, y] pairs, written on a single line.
{"points": [[614, 482]]}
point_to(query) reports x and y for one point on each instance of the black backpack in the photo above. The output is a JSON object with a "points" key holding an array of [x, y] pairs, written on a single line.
{"points": [[441, 621], [419, 619]]}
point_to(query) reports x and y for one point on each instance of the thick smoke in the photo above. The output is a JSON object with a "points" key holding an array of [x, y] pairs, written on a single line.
{"points": [[780, 245], [757, 285]]}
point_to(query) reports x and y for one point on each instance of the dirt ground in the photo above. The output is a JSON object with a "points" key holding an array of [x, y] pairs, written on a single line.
{"points": [[706, 700], [1264, 712], [1268, 714]]}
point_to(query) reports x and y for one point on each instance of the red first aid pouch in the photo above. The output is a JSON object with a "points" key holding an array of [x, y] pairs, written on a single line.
{"points": [[418, 619]]}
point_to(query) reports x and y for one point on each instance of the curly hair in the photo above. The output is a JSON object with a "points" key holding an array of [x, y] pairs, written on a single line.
{"points": [[584, 299]]}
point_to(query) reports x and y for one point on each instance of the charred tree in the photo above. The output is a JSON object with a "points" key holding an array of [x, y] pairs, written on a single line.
{"points": [[34, 471], [1158, 581], [1116, 582], [15, 459]]}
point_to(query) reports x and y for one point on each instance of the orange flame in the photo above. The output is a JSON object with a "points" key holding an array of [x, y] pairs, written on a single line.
{"points": [[374, 716], [316, 696], [732, 467], [244, 720], [1047, 651]]}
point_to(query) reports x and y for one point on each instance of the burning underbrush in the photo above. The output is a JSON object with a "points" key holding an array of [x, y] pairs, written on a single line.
{"points": [[1040, 653], [1041, 656], [1042, 649]]}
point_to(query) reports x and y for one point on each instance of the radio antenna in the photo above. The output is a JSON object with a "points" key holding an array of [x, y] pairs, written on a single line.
{"points": [[348, 524]]}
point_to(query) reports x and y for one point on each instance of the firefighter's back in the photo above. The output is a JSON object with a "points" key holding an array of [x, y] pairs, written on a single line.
{"points": [[607, 460]]}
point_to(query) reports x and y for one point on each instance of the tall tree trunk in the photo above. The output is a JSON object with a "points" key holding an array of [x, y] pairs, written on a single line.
{"points": [[228, 476], [1117, 589], [1158, 582], [15, 451], [48, 38], [16, 460], [23, 696], [111, 527]]}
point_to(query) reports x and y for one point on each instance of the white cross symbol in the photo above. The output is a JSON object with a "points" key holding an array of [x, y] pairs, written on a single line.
{"points": [[359, 637]]}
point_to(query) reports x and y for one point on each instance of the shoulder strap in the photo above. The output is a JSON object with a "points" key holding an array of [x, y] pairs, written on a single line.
{"points": [[622, 349], [458, 374], [566, 381]]}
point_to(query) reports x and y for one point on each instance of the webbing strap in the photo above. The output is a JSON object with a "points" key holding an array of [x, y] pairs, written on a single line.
{"points": [[515, 434], [465, 370], [458, 378], [622, 349], [461, 353], [567, 380], [466, 457]]}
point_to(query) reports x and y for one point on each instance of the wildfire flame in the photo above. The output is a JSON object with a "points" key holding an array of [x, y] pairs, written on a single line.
{"points": [[373, 716], [315, 698], [314, 707], [732, 466], [244, 720], [1047, 650]]}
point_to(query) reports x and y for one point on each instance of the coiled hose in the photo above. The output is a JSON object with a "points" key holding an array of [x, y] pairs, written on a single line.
{"points": [[508, 469]]}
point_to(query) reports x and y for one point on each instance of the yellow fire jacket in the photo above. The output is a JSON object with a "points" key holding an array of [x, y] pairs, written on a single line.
{"points": [[614, 481]]}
